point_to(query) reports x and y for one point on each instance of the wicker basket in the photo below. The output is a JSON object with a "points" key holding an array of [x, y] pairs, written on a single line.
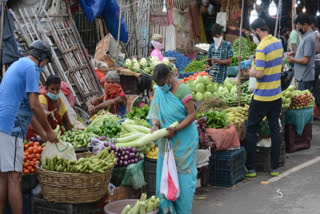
{"points": [[74, 188]]}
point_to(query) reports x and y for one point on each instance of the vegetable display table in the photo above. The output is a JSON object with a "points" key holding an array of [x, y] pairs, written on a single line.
{"points": [[299, 118]]}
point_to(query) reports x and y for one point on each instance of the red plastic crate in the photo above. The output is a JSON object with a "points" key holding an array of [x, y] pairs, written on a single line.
{"points": [[295, 142]]}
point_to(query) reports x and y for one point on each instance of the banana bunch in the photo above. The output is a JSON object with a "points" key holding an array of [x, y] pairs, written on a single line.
{"points": [[153, 154], [237, 115]]}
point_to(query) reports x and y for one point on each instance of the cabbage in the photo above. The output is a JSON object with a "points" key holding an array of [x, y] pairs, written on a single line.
{"points": [[207, 95], [206, 80], [134, 60], [127, 63], [228, 84], [192, 85], [193, 93], [199, 79], [147, 70], [200, 88], [233, 90], [199, 97], [154, 59], [165, 60], [143, 61], [136, 66], [291, 88], [210, 88]]}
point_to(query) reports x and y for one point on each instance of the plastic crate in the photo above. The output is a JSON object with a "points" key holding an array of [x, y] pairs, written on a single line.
{"points": [[263, 158], [228, 167], [295, 142], [42, 206], [129, 84]]}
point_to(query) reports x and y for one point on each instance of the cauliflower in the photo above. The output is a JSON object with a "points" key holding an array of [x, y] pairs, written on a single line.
{"points": [[136, 66], [154, 59], [134, 60], [143, 61], [153, 64], [165, 60], [127, 63]]}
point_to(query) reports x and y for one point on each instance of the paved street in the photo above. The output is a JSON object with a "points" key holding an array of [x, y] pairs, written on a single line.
{"points": [[300, 189]]}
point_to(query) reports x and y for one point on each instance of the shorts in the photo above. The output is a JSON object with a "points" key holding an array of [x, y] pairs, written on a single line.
{"points": [[11, 153]]}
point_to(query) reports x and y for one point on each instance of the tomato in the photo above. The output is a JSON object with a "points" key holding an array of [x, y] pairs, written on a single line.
{"points": [[31, 143], [34, 159], [38, 156], [40, 149], [29, 168], [37, 144], [33, 170], [32, 163], [25, 146], [33, 156], [30, 157], [30, 150], [26, 171]]}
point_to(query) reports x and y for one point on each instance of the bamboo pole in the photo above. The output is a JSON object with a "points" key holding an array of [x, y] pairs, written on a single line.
{"points": [[293, 13], [119, 27], [1, 35], [277, 19], [239, 57]]}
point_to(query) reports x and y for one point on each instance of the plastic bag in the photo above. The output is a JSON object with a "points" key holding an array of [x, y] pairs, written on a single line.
{"points": [[134, 176], [71, 112], [169, 186], [62, 149], [286, 78], [97, 145], [252, 84]]}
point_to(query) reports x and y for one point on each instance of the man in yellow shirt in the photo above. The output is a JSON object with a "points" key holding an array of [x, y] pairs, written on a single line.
{"points": [[266, 99]]}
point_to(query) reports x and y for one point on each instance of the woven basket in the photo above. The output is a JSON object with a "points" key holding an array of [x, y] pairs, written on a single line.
{"points": [[74, 188]]}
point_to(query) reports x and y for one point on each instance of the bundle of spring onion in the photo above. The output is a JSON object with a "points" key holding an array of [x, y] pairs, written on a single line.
{"points": [[139, 137]]}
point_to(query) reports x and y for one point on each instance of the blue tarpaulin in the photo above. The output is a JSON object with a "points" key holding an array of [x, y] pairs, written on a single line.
{"points": [[110, 10]]}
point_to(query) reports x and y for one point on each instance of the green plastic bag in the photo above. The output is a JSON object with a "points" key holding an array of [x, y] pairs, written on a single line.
{"points": [[134, 176]]}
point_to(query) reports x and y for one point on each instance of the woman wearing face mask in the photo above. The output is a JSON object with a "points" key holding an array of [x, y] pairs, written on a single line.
{"points": [[220, 55], [156, 42], [114, 98], [173, 102], [53, 106]]}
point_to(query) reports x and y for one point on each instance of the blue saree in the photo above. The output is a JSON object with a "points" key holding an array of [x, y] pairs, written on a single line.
{"points": [[168, 109]]}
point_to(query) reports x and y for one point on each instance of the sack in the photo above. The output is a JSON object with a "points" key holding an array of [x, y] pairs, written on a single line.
{"points": [[286, 78], [62, 149], [134, 176], [252, 84], [224, 138], [169, 186]]}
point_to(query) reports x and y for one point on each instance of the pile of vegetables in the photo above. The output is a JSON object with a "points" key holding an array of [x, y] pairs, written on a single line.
{"points": [[145, 65], [302, 99], [153, 154], [214, 119], [248, 48], [203, 46], [286, 97], [139, 137], [100, 117], [77, 138], [96, 164], [235, 60], [139, 113], [143, 205], [32, 154], [194, 76], [108, 128], [237, 115], [202, 88], [196, 66]]}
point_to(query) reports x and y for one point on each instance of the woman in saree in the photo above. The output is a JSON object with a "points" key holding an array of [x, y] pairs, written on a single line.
{"points": [[173, 102]]}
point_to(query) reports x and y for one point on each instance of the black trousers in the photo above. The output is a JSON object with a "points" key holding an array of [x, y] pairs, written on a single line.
{"points": [[257, 111]]}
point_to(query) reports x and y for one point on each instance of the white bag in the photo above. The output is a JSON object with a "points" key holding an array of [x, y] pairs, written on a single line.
{"points": [[252, 84], [169, 186], [62, 149]]}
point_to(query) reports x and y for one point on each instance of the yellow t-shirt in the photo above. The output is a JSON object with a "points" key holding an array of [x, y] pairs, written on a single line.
{"points": [[63, 107]]}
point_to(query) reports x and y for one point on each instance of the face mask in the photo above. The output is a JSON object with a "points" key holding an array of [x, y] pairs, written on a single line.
{"points": [[256, 40], [301, 30], [53, 96], [157, 45], [217, 41], [166, 87]]}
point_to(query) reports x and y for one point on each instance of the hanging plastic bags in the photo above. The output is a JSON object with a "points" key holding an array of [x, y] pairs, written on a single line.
{"points": [[62, 149], [252, 84], [169, 186]]}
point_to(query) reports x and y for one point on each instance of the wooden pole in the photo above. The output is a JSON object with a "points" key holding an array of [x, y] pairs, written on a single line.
{"points": [[119, 27], [135, 27], [1, 35], [277, 19], [239, 57]]}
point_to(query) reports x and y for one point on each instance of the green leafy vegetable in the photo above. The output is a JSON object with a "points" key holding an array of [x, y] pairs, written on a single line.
{"points": [[215, 119]]}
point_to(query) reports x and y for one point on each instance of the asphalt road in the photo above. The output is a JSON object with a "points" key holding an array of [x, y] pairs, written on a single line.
{"points": [[300, 190]]}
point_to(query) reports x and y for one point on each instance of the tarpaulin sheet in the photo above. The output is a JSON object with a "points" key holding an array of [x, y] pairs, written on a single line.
{"points": [[110, 10], [299, 118]]}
